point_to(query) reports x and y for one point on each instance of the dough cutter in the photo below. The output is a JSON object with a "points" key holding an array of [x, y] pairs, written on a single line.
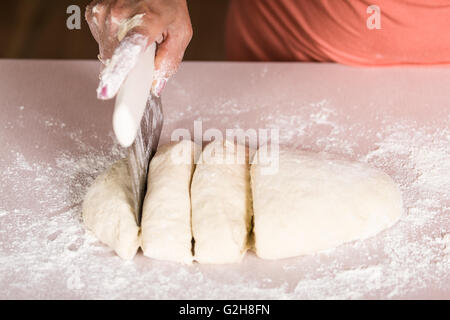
{"points": [[138, 122]]}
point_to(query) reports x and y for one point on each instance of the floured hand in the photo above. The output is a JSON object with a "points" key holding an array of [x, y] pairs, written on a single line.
{"points": [[124, 28]]}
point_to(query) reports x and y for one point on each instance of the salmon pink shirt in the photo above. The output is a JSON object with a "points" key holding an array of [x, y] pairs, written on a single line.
{"points": [[409, 31]]}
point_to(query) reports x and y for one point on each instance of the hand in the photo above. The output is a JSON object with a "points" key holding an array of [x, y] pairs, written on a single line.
{"points": [[124, 28]]}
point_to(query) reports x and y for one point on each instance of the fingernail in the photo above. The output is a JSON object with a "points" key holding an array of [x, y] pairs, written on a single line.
{"points": [[121, 63], [103, 93]]}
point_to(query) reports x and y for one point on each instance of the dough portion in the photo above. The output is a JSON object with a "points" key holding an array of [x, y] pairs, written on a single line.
{"points": [[221, 204], [108, 212], [166, 220], [315, 203], [312, 203]]}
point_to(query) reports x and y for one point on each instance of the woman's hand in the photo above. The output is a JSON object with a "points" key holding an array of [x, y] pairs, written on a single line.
{"points": [[124, 28]]}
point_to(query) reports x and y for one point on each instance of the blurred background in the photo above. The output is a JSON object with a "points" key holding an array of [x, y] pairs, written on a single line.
{"points": [[36, 29]]}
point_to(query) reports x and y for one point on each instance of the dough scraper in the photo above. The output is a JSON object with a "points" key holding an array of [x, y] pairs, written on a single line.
{"points": [[137, 124]]}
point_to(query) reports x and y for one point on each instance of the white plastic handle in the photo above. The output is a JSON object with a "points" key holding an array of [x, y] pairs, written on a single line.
{"points": [[132, 98]]}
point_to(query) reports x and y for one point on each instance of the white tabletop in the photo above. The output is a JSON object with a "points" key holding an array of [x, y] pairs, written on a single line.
{"points": [[55, 138]]}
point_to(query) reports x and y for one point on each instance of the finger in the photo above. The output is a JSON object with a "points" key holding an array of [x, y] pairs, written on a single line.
{"points": [[137, 33], [94, 14], [121, 19], [168, 58], [126, 26], [151, 27], [138, 37], [107, 18], [122, 61]]}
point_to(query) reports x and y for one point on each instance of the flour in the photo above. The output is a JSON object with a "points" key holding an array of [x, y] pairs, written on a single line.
{"points": [[45, 251], [116, 69]]}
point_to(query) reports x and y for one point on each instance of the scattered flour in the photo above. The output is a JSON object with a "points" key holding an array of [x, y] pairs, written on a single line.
{"points": [[45, 251]]}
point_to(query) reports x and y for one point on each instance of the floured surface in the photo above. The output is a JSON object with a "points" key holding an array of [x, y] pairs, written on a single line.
{"points": [[53, 147]]}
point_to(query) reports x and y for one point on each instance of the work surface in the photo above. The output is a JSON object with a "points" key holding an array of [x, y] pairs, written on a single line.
{"points": [[55, 138]]}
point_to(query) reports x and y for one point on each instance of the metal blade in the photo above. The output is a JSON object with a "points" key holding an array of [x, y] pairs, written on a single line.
{"points": [[143, 150]]}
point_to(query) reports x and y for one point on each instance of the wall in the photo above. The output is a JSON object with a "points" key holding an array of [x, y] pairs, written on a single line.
{"points": [[36, 29]]}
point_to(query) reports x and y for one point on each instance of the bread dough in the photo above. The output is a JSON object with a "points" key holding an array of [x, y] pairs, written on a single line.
{"points": [[166, 220], [221, 206], [315, 203], [108, 211], [312, 203]]}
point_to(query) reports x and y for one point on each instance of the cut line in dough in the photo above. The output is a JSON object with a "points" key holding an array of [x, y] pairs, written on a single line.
{"points": [[312, 203], [221, 206], [166, 219]]}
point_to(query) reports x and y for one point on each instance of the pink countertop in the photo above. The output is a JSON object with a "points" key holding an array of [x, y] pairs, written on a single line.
{"points": [[55, 138]]}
